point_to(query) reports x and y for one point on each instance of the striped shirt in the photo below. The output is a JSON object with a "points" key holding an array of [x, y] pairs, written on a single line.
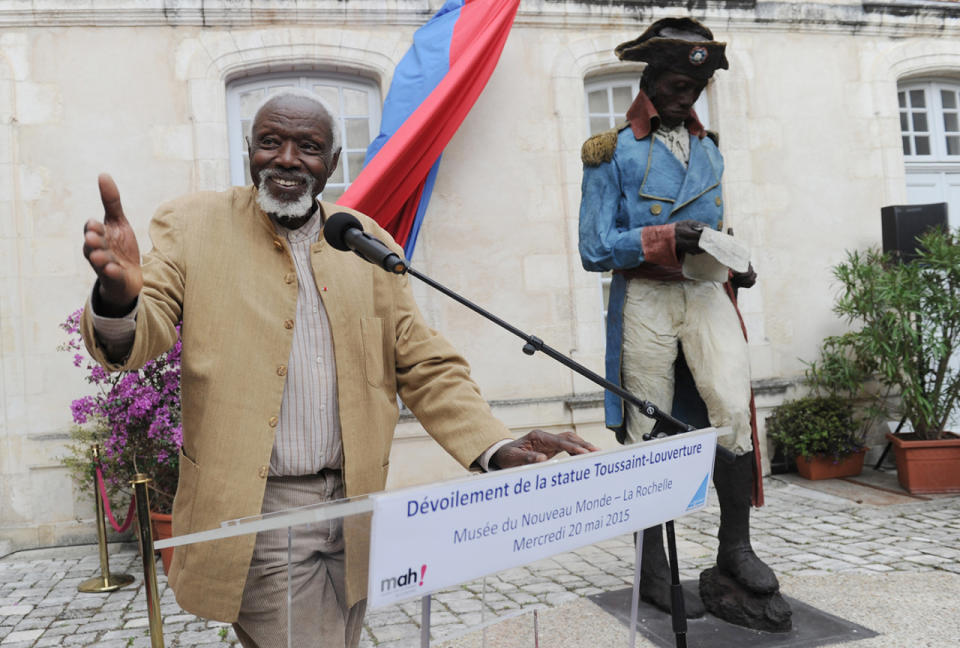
{"points": [[308, 436]]}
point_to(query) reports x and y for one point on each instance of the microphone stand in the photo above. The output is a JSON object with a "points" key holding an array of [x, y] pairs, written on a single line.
{"points": [[533, 344], [666, 426]]}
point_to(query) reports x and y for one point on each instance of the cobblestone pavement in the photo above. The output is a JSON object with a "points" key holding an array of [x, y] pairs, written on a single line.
{"points": [[800, 531]]}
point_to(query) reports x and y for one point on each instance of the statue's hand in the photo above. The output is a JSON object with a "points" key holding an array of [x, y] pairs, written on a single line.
{"points": [[744, 279], [687, 236]]}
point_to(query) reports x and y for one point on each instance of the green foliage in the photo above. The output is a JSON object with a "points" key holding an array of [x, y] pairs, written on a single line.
{"points": [[79, 462], [815, 425], [838, 374], [906, 327]]}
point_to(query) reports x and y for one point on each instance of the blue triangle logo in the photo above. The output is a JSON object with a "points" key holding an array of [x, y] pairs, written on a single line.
{"points": [[700, 497]]}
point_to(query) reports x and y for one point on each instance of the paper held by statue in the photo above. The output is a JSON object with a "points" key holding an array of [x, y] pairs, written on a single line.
{"points": [[721, 252]]}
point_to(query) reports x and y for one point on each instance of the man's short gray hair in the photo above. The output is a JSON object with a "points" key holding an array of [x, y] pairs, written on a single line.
{"points": [[300, 93]]}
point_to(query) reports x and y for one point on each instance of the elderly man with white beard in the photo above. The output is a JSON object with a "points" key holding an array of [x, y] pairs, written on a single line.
{"points": [[293, 356]]}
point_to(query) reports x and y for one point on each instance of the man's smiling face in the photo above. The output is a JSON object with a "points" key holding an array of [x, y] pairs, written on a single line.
{"points": [[291, 156]]}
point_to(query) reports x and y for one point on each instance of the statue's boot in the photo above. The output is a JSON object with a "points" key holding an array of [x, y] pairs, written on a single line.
{"points": [[655, 577], [735, 556]]}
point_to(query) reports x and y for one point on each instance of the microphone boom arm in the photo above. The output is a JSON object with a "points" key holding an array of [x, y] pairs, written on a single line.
{"points": [[670, 425]]}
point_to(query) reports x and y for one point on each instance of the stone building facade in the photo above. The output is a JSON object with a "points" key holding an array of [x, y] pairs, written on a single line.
{"points": [[818, 122]]}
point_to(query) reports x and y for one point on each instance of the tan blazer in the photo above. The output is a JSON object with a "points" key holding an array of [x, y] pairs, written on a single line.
{"points": [[218, 265]]}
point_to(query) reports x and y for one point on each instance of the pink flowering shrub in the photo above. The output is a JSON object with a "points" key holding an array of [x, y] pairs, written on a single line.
{"points": [[135, 418]]}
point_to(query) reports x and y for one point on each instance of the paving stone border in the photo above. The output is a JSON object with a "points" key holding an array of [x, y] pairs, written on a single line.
{"points": [[799, 531]]}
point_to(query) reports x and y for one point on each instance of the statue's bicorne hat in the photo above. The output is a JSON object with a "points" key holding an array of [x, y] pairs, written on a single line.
{"points": [[682, 45]]}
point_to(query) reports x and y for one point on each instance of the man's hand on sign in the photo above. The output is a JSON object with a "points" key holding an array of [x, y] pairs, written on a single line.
{"points": [[112, 251], [537, 445]]}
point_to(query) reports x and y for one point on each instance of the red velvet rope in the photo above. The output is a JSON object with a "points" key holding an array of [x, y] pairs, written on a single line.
{"points": [[106, 506]]}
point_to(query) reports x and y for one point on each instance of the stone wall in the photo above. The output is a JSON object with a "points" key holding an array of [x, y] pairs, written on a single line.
{"points": [[807, 116]]}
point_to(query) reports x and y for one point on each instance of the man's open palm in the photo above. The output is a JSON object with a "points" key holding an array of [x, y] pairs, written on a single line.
{"points": [[112, 250]]}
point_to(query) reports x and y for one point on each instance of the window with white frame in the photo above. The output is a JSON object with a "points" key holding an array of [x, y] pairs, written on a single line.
{"points": [[930, 136], [355, 100], [608, 98], [930, 120]]}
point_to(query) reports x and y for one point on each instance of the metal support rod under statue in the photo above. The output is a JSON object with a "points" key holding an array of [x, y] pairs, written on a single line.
{"points": [[106, 582], [145, 536]]}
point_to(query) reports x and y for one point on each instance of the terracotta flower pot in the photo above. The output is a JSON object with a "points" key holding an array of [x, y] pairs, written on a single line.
{"points": [[822, 467], [162, 528], [927, 466]]}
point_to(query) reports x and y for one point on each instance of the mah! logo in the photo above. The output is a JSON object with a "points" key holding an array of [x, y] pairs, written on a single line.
{"points": [[404, 580]]}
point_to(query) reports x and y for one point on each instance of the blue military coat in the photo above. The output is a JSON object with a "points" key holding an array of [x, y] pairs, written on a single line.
{"points": [[638, 184]]}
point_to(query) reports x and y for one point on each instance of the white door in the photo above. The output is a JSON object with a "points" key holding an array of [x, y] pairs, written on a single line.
{"points": [[939, 187]]}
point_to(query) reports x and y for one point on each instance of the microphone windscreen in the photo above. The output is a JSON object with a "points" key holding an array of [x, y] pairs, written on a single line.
{"points": [[336, 228]]}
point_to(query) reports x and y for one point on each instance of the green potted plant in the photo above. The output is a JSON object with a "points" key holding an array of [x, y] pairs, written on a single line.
{"points": [[821, 433], [134, 417], [905, 320]]}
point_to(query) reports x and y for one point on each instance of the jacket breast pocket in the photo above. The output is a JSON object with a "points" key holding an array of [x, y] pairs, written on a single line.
{"points": [[371, 334]]}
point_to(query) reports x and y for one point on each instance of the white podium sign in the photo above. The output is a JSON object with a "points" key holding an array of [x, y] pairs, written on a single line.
{"points": [[428, 538]]}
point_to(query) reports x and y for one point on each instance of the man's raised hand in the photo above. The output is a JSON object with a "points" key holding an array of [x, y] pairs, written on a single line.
{"points": [[111, 249]]}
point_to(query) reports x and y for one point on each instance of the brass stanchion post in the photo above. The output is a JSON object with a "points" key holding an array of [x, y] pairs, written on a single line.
{"points": [[145, 534], [105, 582]]}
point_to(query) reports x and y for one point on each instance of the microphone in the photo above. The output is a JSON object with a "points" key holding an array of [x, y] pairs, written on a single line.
{"points": [[344, 232]]}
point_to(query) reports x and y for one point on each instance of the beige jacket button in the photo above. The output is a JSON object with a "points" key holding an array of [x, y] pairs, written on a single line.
{"points": [[278, 245], [274, 421], [264, 471], [288, 324], [656, 208], [281, 371], [289, 277]]}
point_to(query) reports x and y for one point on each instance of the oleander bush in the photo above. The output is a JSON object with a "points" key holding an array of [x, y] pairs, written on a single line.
{"points": [[905, 329]]}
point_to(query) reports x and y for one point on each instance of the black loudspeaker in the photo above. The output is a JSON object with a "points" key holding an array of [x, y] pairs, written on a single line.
{"points": [[902, 224]]}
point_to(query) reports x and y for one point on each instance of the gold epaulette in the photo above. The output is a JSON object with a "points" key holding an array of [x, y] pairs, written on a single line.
{"points": [[599, 148]]}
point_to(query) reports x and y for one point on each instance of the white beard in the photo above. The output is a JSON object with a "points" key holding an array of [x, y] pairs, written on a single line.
{"points": [[285, 210]]}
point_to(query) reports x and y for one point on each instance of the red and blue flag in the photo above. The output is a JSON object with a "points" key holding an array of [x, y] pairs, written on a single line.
{"points": [[433, 88]]}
